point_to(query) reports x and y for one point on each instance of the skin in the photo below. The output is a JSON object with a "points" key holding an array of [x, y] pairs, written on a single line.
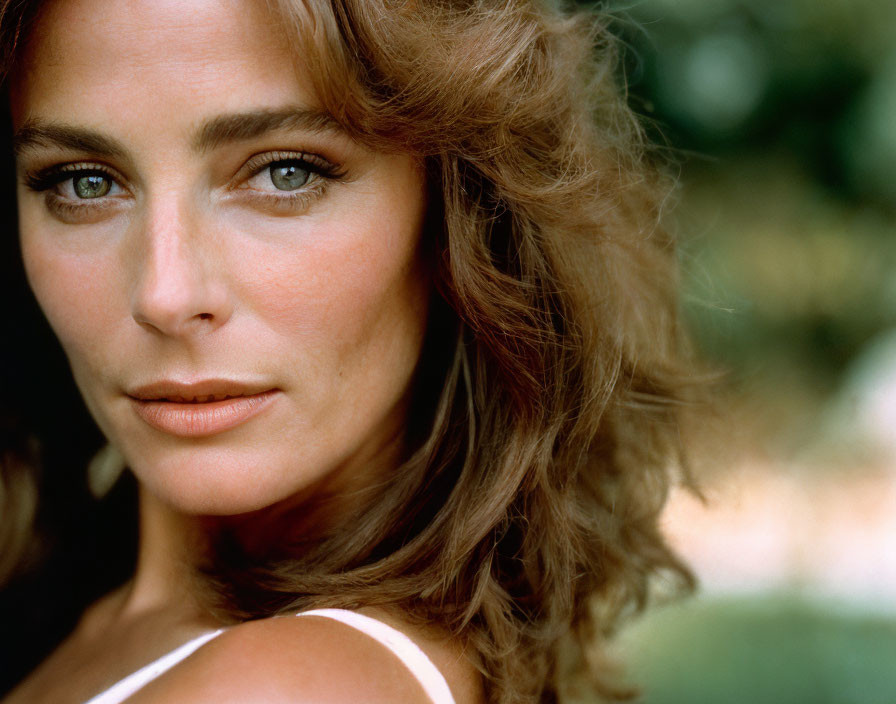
{"points": [[194, 266], [187, 273]]}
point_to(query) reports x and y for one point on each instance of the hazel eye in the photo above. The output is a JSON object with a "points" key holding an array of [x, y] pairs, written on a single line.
{"points": [[288, 176], [284, 182], [90, 186]]}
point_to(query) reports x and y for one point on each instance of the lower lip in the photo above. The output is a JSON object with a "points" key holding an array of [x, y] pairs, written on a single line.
{"points": [[196, 420]]}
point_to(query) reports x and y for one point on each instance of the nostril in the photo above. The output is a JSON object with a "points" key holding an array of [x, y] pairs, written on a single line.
{"points": [[205, 316]]}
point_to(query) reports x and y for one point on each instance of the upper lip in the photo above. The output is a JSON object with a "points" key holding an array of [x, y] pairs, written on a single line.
{"points": [[201, 391]]}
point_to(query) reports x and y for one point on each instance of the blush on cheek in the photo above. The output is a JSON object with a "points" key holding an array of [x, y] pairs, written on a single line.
{"points": [[75, 292], [334, 285]]}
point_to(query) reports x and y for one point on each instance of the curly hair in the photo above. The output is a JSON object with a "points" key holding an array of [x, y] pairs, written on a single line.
{"points": [[545, 424]]}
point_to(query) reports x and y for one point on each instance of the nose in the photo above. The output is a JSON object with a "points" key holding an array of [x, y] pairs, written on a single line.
{"points": [[179, 287]]}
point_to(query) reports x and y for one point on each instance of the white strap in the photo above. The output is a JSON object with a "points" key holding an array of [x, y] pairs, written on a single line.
{"points": [[419, 665], [136, 680], [402, 647]]}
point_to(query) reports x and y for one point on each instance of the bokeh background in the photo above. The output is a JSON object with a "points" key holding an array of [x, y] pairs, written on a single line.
{"points": [[780, 117]]}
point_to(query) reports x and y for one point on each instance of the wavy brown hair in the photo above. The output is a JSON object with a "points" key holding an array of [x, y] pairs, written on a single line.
{"points": [[545, 424], [18, 495]]}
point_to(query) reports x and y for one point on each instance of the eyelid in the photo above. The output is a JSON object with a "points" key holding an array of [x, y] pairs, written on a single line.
{"points": [[259, 162], [46, 178]]}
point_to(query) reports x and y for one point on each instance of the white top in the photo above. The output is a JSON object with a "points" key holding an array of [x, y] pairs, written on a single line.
{"points": [[414, 659], [121, 690]]}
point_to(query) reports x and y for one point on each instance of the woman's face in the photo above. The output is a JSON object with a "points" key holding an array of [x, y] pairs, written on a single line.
{"points": [[237, 284]]}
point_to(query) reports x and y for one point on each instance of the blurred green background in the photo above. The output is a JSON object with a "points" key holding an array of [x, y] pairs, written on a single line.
{"points": [[780, 116]]}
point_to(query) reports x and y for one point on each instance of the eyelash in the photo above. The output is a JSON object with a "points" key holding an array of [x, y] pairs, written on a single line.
{"points": [[44, 180], [321, 173]]}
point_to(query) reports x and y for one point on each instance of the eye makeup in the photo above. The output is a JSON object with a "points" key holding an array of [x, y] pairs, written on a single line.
{"points": [[310, 175], [279, 182], [62, 183]]}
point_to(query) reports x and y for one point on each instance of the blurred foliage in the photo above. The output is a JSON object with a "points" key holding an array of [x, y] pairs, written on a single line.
{"points": [[818, 78], [771, 650], [781, 115]]}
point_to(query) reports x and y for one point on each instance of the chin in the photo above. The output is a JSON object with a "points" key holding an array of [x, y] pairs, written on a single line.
{"points": [[218, 482]]}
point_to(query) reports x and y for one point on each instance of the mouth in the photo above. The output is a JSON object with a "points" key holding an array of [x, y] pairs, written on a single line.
{"points": [[199, 409], [205, 398]]}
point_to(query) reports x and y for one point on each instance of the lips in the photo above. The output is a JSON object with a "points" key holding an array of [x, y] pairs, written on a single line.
{"points": [[206, 398], [200, 409]]}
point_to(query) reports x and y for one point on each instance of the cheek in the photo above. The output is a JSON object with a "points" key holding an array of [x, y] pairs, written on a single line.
{"points": [[75, 291], [349, 285], [339, 301]]}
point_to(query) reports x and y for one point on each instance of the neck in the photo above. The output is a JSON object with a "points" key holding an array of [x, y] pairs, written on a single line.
{"points": [[170, 544]]}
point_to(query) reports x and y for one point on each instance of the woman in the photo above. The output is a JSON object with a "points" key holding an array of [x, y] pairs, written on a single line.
{"points": [[372, 299]]}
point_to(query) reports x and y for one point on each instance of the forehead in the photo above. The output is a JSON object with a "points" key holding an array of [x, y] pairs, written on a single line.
{"points": [[104, 57]]}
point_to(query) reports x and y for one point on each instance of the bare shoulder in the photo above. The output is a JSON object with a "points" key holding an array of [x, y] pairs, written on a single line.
{"points": [[309, 659], [457, 665]]}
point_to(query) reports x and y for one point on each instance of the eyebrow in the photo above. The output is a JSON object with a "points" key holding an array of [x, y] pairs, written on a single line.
{"points": [[245, 126], [215, 132], [37, 133]]}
